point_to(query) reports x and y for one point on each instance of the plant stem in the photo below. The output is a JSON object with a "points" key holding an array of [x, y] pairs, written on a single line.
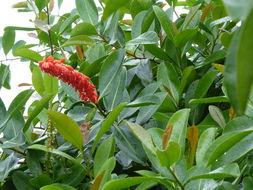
{"points": [[49, 31], [15, 150], [176, 178]]}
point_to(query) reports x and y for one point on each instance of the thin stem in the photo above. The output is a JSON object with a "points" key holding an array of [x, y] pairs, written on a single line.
{"points": [[15, 150], [176, 178], [49, 31]]}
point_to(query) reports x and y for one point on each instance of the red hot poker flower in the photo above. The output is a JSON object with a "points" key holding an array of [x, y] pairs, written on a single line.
{"points": [[67, 74]]}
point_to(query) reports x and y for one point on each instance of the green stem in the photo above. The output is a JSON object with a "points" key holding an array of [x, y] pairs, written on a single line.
{"points": [[49, 31], [176, 178]]}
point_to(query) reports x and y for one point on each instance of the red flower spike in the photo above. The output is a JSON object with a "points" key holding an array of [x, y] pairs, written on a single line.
{"points": [[67, 74]]}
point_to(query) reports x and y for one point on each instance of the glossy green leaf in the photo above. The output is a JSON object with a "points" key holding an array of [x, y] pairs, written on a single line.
{"points": [[79, 40], [28, 54], [190, 16], [188, 76], [54, 151], [223, 144], [209, 100], [165, 21], [108, 122], [137, 6], [157, 52], [238, 9], [88, 11], [37, 81], [149, 37], [8, 40], [57, 186], [217, 56], [103, 153], [83, 28], [170, 155], [4, 75], [41, 181], [40, 4], [179, 121], [21, 181], [142, 135], [227, 171], [113, 5], [205, 140], [184, 36], [137, 24], [16, 105], [67, 127], [217, 115], [109, 71], [43, 103], [73, 176], [247, 183], [50, 84], [8, 164], [67, 23]]}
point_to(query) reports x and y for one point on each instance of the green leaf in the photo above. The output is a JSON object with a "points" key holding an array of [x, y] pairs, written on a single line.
{"points": [[170, 155], [88, 11], [227, 171], [67, 127], [238, 9], [142, 135], [7, 165], [205, 140], [217, 115], [137, 24], [188, 76], [54, 151], [157, 52], [50, 84], [40, 4], [149, 37], [37, 81], [16, 105], [112, 6], [72, 18], [109, 71], [41, 181], [83, 28], [165, 21], [143, 101], [247, 183], [137, 6], [21, 181], [57, 186], [184, 36], [8, 40], [223, 144], [33, 162], [28, 54], [39, 107], [190, 16], [179, 121], [4, 75], [103, 153], [209, 100], [79, 40], [215, 57], [108, 122]]}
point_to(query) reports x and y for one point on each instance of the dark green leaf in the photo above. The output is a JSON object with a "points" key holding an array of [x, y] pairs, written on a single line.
{"points": [[8, 40], [7, 165], [83, 28], [111, 6], [21, 181], [79, 40], [88, 11], [149, 37]]}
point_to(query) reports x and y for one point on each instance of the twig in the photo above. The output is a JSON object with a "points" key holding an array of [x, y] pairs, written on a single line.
{"points": [[49, 31], [15, 150]]}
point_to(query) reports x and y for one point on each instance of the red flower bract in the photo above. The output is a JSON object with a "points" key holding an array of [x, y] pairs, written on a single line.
{"points": [[67, 74]]}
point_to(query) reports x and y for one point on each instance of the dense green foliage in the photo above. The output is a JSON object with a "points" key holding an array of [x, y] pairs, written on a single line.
{"points": [[175, 107]]}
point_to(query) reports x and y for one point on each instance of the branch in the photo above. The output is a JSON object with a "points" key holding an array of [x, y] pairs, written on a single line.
{"points": [[15, 150]]}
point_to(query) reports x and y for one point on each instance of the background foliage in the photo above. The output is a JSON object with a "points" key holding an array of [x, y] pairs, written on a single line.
{"points": [[175, 103]]}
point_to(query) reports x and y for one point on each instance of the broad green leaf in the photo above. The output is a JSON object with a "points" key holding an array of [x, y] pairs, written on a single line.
{"points": [[143, 101], [115, 96], [88, 11], [238, 9], [217, 56], [205, 140], [83, 28], [205, 83], [40, 4], [33, 162], [142, 135], [50, 84], [170, 155], [21, 4], [209, 100], [157, 52], [79, 40], [227, 171], [112, 6], [39, 107], [7, 165], [104, 152], [149, 37], [108, 122], [184, 36], [109, 71], [217, 115], [53, 151], [58, 186], [73, 176], [16, 105], [247, 183], [137, 24], [4, 75], [179, 121], [8, 40], [156, 134], [165, 21], [190, 16], [67, 23], [223, 144], [37, 81], [188, 76], [41, 181], [21, 181], [28, 54], [137, 6], [67, 127]]}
